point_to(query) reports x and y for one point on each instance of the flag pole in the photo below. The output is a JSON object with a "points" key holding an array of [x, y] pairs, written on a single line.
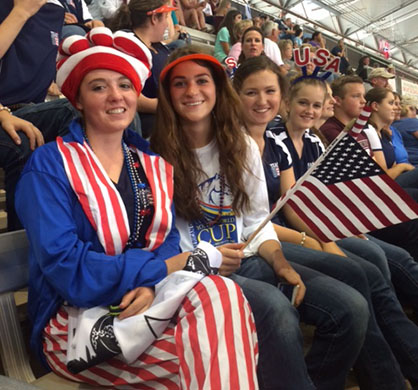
{"points": [[353, 128]]}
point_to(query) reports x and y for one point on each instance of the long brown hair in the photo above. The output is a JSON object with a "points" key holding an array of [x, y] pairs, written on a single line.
{"points": [[171, 141]]}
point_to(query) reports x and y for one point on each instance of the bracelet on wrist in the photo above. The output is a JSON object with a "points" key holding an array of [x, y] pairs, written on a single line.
{"points": [[4, 108], [302, 241]]}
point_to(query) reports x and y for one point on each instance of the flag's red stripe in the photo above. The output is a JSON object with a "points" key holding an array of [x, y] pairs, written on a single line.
{"points": [[110, 247], [332, 207], [117, 207], [318, 213], [245, 337], [184, 367], [160, 235], [210, 322], [228, 334], [354, 208], [368, 203], [386, 198], [316, 210], [193, 335], [77, 182], [401, 193]]}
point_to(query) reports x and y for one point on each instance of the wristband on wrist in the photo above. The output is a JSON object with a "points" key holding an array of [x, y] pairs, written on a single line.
{"points": [[302, 241]]}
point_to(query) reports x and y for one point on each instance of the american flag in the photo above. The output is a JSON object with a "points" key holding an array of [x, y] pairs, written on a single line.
{"points": [[347, 193]]}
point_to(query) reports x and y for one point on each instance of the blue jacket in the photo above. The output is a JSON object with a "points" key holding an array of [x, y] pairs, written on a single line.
{"points": [[67, 261]]}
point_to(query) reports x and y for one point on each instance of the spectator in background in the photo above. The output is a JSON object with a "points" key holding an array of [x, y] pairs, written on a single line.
{"points": [[407, 125], [297, 42], [271, 32], [220, 13], [193, 14], [175, 36], [317, 40], [257, 22], [148, 20], [288, 32], [378, 77], [225, 37], [340, 51], [104, 9], [77, 19], [239, 29], [391, 69], [363, 67], [286, 50], [29, 38]]}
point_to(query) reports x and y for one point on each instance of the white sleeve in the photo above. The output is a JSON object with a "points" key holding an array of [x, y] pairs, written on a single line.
{"points": [[255, 184], [86, 12], [272, 51], [373, 137]]}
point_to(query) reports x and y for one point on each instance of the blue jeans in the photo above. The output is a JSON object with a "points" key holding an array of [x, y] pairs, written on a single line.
{"points": [[339, 313], [403, 269], [390, 333], [368, 250]]}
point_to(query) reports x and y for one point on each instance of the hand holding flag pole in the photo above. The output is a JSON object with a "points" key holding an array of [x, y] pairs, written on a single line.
{"points": [[353, 129]]}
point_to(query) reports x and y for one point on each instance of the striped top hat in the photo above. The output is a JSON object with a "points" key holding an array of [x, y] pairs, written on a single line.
{"points": [[121, 52]]}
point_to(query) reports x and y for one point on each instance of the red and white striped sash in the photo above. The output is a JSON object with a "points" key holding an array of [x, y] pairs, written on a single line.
{"points": [[102, 202]]}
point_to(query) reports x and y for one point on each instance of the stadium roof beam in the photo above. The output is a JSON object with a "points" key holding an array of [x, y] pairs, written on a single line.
{"points": [[386, 14]]}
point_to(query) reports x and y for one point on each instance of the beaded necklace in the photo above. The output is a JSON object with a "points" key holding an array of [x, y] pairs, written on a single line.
{"points": [[141, 199]]}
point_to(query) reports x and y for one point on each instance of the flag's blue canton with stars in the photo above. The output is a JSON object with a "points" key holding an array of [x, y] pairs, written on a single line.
{"points": [[347, 161], [349, 194]]}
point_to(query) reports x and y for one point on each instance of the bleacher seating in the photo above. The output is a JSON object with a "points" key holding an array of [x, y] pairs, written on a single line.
{"points": [[14, 267]]}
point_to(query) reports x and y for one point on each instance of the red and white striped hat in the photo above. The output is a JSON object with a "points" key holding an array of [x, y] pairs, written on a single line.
{"points": [[121, 52]]}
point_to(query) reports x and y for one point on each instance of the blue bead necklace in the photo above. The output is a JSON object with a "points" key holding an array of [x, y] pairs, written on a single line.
{"points": [[141, 200], [139, 189]]}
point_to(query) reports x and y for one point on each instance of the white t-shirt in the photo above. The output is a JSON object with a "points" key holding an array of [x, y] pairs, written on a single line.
{"points": [[230, 228], [272, 51]]}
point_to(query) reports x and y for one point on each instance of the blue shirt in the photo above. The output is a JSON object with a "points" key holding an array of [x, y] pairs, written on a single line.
{"points": [[401, 154], [312, 148], [28, 67], [407, 127], [276, 158]]}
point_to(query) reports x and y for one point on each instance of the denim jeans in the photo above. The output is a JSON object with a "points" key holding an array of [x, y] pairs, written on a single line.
{"points": [[390, 333], [376, 366], [404, 270], [370, 251], [52, 119], [339, 313]]}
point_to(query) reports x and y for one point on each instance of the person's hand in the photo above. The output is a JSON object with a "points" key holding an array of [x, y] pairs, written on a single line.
{"points": [[70, 18], [333, 248], [231, 258], [30, 7], [11, 124], [406, 167], [292, 277], [54, 90], [136, 301], [94, 23]]}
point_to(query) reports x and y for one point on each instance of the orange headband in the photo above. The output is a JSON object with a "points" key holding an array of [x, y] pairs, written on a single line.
{"points": [[191, 57]]}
